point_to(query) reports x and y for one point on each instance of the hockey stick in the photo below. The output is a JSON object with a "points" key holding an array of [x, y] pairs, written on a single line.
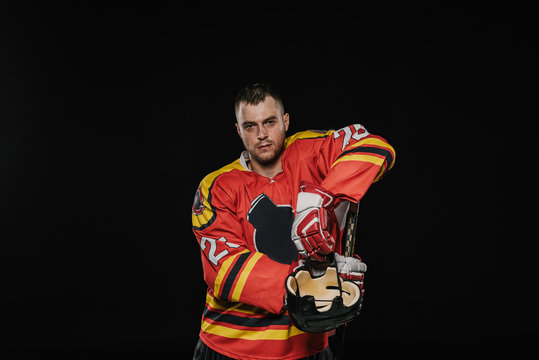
{"points": [[351, 225], [349, 242]]}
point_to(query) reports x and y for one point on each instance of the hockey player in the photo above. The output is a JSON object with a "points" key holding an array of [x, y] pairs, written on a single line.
{"points": [[283, 200]]}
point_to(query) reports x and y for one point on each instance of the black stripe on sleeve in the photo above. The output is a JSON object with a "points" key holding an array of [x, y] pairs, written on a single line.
{"points": [[225, 293], [373, 150]]}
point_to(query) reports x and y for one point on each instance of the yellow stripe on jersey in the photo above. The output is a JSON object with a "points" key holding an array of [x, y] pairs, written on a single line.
{"points": [[371, 149], [243, 277], [223, 270], [361, 157], [308, 134], [207, 215], [267, 334], [220, 304]]}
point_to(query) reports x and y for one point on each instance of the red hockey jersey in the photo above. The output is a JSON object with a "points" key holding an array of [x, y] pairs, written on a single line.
{"points": [[242, 221]]}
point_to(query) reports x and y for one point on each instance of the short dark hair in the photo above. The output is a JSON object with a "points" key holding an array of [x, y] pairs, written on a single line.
{"points": [[254, 94]]}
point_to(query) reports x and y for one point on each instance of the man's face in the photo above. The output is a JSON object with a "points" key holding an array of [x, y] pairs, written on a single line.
{"points": [[262, 129]]}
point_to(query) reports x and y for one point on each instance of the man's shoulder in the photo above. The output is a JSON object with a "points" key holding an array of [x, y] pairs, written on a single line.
{"points": [[235, 167], [307, 135], [203, 213]]}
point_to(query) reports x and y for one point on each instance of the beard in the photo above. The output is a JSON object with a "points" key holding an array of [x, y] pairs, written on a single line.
{"points": [[268, 157]]}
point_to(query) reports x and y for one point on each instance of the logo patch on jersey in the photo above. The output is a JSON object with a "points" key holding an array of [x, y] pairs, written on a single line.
{"points": [[273, 226], [198, 203]]}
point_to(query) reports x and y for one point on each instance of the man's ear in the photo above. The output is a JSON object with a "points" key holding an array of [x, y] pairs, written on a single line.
{"points": [[286, 120], [238, 128]]}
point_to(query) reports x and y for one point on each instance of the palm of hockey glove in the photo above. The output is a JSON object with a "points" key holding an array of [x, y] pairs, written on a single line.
{"points": [[311, 229], [351, 268]]}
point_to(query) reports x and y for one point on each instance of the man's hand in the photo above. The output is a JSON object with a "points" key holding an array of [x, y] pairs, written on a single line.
{"points": [[312, 228], [351, 268]]}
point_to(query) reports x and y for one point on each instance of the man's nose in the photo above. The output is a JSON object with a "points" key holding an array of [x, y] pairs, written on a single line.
{"points": [[262, 133]]}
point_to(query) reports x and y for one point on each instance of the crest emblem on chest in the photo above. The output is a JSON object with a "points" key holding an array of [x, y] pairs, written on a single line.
{"points": [[273, 224]]}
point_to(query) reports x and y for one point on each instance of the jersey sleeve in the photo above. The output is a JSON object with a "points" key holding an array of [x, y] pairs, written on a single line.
{"points": [[232, 270], [352, 160]]}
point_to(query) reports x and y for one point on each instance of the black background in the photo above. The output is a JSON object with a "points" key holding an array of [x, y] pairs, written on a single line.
{"points": [[110, 115]]}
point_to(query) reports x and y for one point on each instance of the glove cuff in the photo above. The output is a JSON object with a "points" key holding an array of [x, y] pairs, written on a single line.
{"points": [[315, 195]]}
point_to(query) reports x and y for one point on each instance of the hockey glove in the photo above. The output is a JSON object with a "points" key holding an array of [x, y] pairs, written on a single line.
{"points": [[312, 228], [351, 268]]}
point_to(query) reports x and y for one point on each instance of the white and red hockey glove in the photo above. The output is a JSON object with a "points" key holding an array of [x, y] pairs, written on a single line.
{"points": [[312, 228], [351, 268]]}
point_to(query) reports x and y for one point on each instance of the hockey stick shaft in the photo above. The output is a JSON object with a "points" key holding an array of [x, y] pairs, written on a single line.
{"points": [[351, 230], [349, 242]]}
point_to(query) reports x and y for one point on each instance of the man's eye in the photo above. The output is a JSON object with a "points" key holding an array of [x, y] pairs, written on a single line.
{"points": [[248, 126]]}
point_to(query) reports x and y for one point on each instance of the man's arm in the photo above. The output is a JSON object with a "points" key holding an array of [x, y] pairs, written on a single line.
{"points": [[350, 160], [353, 159]]}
